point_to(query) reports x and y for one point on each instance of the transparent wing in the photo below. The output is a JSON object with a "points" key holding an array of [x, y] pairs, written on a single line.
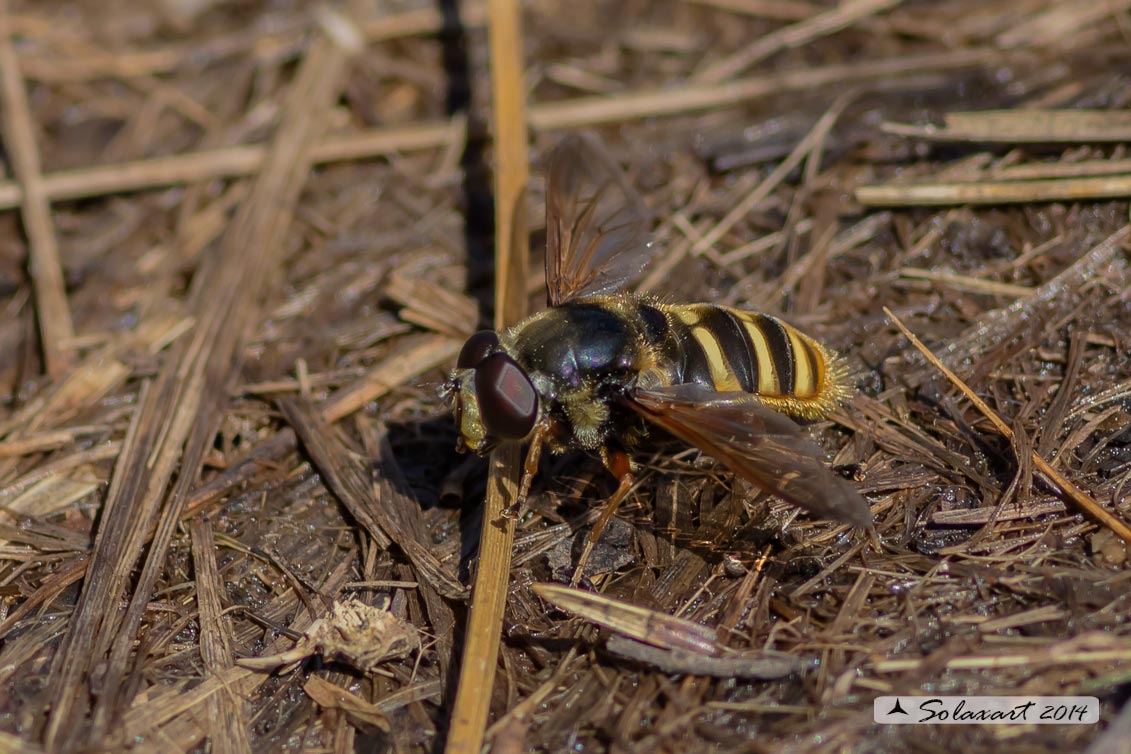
{"points": [[762, 446], [597, 227]]}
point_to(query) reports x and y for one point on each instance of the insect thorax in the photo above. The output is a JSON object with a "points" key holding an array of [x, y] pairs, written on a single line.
{"points": [[583, 356]]}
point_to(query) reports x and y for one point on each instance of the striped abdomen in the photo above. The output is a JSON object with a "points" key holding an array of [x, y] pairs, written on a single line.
{"points": [[732, 350]]}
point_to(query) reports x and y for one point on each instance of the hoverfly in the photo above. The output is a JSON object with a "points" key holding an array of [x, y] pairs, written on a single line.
{"points": [[601, 365]]}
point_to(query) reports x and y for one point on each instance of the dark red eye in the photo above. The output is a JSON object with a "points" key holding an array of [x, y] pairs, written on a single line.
{"points": [[508, 404], [476, 349]]}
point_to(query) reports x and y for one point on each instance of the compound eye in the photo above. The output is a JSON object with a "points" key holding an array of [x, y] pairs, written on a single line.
{"points": [[476, 349], [508, 404]]}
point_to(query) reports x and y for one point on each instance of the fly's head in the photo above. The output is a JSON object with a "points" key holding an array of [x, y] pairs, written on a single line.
{"points": [[492, 396]]}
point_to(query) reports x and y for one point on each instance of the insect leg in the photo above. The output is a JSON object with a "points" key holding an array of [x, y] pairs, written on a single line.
{"points": [[619, 464], [529, 469]]}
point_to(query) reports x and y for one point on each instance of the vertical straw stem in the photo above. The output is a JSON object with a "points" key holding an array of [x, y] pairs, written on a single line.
{"points": [[488, 601]]}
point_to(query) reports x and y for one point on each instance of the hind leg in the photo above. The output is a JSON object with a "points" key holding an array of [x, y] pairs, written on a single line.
{"points": [[620, 466]]}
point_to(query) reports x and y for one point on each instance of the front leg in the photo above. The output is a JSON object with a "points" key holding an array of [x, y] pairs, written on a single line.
{"points": [[529, 469], [619, 465]]}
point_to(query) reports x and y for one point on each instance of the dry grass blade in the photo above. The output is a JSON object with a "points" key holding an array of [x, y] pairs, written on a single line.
{"points": [[1038, 170], [362, 714], [216, 642], [166, 58], [434, 307], [411, 362], [689, 98], [1048, 303], [639, 623], [434, 580], [164, 715], [55, 325], [48, 592], [829, 22], [1024, 126], [10, 744], [1063, 181], [967, 283], [665, 642], [226, 162], [570, 113], [1087, 649], [684, 662], [177, 417], [42, 441], [402, 365], [1059, 23], [407, 363], [994, 192], [705, 243], [344, 472], [773, 9], [512, 252], [979, 516], [1070, 491], [50, 496], [93, 378]]}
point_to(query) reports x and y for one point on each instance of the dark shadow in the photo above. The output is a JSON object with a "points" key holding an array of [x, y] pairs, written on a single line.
{"points": [[478, 196], [421, 448], [479, 230]]}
